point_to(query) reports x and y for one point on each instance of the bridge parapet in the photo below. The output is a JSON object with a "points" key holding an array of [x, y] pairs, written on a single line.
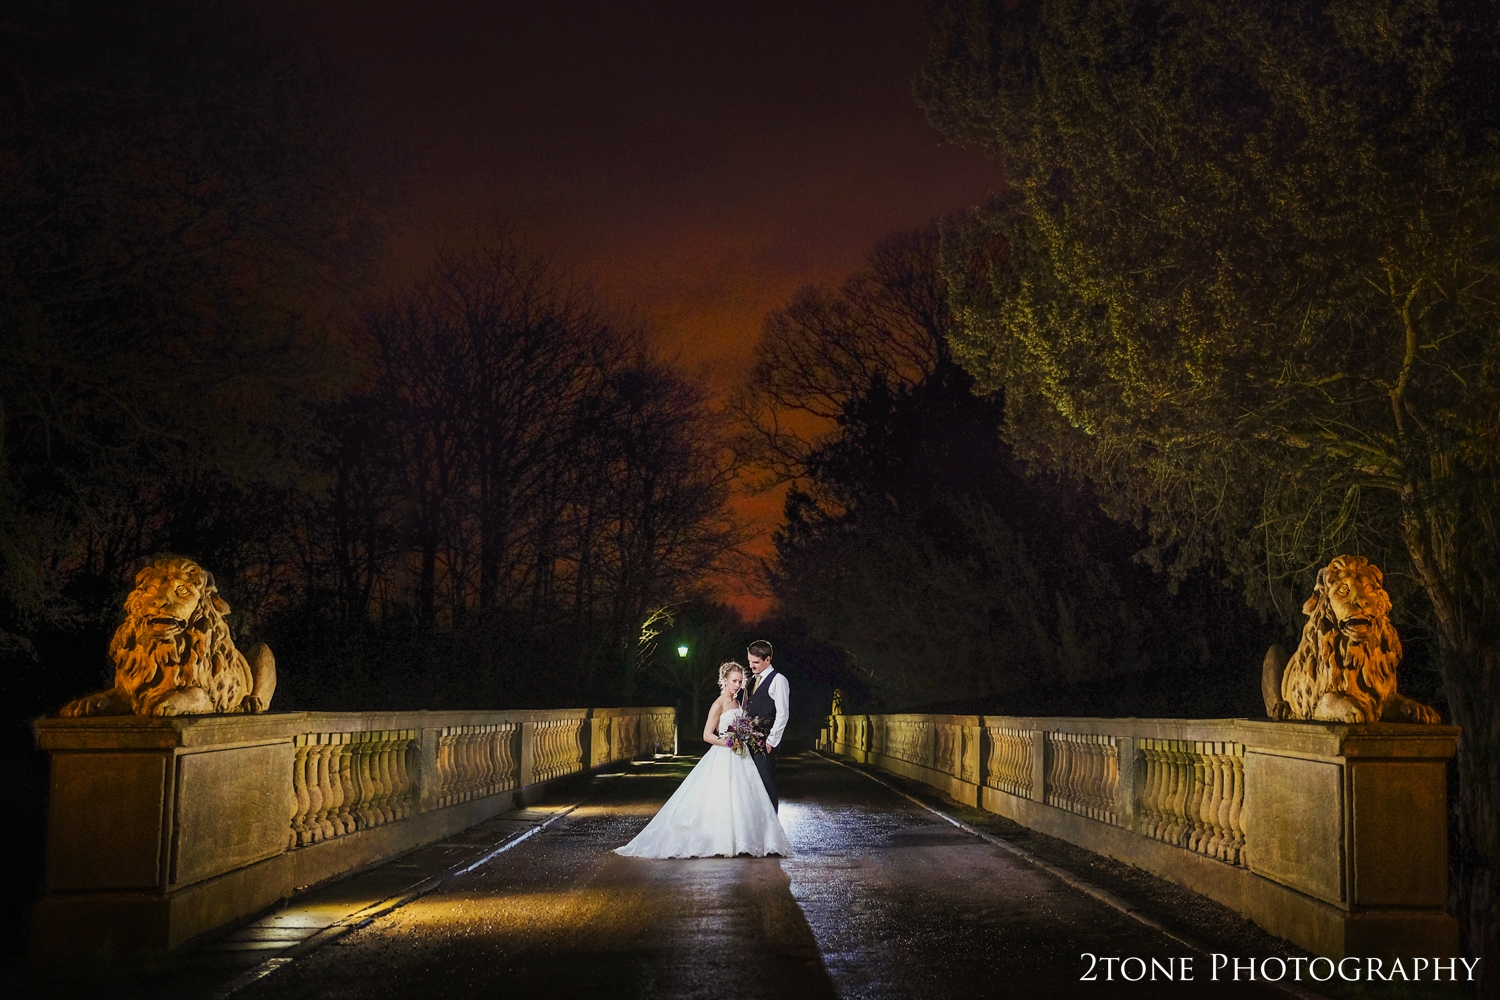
{"points": [[162, 829], [1331, 836]]}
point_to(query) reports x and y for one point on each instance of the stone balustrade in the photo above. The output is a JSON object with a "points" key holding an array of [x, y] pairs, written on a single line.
{"points": [[162, 829], [1332, 836]]}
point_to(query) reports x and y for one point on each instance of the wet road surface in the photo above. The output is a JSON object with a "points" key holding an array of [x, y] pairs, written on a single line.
{"points": [[882, 899]]}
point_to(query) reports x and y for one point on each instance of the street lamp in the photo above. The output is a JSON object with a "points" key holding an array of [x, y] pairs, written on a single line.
{"points": [[682, 651]]}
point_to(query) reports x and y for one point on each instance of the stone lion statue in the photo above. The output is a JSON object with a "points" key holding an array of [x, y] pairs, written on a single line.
{"points": [[173, 654], [1344, 670]]}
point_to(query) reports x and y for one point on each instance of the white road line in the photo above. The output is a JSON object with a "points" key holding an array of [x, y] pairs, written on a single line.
{"points": [[1103, 895], [369, 914]]}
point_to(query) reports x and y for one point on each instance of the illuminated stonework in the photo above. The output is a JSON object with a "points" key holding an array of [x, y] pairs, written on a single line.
{"points": [[173, 654], [1344, 670]]}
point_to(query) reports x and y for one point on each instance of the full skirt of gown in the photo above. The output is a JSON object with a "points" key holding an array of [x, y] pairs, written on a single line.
{"points": [[720, 809]]}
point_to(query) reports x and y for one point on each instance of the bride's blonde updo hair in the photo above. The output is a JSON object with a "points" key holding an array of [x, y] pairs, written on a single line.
{"points": [[725, 669]]}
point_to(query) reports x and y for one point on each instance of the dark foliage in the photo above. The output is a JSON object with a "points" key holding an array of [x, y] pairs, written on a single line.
{"points": [[962, 583], [1245, 281]]}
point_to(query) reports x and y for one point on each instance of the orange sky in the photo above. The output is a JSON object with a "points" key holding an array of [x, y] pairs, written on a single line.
{"points": [[699, 161]]}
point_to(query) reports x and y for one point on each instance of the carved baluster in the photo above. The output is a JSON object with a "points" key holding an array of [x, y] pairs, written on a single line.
{"points": [[293, 806], [1111, 780], [1233, 795], [1083, 746], [359, 781], [369, 764], [1171, 774], [377, 796], [1172, 762], [505, 746], [1223, 838], [333, 791], [1145, 771], [1054, 770], [1014, 754], [394, 758], [388, 773], [448, 775], [1208, 808], [1093, 755], [1238, 764], [485, 750], [1099, 778], [395, 771], [364, 782], [1073, 772], [400, 776], [464, 763], [539, 750], [1180, 801], [1097, 805], [501, 753], [342, 785], [1016, 768], [1194, 778], [408, 773], [1002, 748], [1194, 807], [299, 789], [1224, 846], [382, 802], [505, 758], [317, 770], [492, 759]]}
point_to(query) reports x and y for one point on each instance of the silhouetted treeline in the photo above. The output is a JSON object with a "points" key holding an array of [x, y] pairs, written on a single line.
{"points": [[519, 483], [917, 541]]}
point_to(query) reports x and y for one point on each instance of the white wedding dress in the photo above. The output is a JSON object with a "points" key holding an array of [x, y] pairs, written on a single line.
{"points": [[721, 808]]}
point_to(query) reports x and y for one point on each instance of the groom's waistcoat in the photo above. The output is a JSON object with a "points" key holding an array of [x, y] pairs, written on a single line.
{"points": [[761, 706]]}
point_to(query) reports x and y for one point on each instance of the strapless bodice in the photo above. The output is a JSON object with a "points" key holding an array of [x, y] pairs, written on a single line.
{"points": [[727, 718]]}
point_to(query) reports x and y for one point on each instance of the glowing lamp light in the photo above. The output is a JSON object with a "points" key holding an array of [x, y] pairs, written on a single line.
{"points": [[681, 650]]}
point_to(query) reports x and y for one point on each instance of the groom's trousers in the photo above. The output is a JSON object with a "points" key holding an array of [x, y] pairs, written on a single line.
{"points": [[765, 763]]}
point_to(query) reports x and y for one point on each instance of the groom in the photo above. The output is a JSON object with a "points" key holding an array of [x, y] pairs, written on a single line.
{"points": [[769, 704]]}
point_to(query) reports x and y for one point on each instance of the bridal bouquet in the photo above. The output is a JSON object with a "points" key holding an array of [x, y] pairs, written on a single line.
{"points": [[743, 737]]}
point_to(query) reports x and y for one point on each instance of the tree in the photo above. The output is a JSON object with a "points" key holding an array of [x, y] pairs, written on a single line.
{"points": [[915, 540], [889, 322], [177, 209], [1247, 282], [518, 476]]}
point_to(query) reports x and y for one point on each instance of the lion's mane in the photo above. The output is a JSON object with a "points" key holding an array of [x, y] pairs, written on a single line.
{"points": [[148, 667], [1328, 660]]}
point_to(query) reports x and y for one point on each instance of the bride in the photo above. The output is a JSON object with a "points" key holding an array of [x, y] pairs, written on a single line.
{"points": [[721, 807]]}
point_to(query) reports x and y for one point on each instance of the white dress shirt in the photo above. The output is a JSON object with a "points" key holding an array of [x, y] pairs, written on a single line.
{"points": [[781, 694]]}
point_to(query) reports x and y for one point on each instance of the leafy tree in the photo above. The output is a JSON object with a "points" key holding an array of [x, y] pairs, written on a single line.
{"points": [[1247, 282]]}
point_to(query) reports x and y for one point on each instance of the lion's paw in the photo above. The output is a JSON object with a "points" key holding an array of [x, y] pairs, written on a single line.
{"points": [[1281, 710], [1415, 711]]}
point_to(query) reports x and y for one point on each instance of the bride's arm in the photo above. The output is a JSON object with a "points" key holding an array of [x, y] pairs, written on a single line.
{"points": [[710, 730]]}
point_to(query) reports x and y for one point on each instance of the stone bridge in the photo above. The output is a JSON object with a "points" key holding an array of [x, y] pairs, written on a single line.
{"points": [[455, 854]]}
